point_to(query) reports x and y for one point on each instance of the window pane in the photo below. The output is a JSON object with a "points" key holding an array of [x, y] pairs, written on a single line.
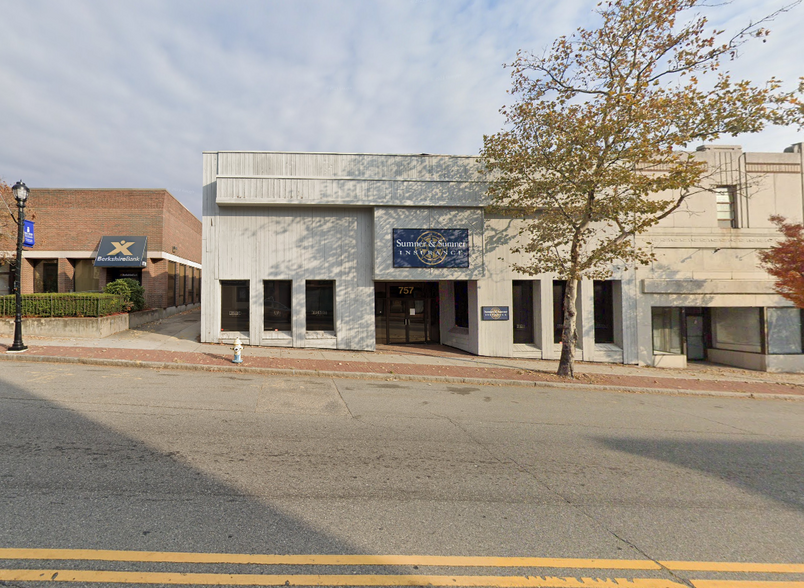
{"points": [[234, 305], [559, 288], [320, 305], [725, 204], [523, 311], [190, 285], [737, 329], [666, 330], [784, 330], [171, 283], [46, 276], [5, 278], [86, 277], [276, 305], [604, 311], [461, 290], [181, 284]]}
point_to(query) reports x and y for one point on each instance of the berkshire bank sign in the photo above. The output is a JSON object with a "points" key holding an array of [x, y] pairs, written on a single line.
{"points": [[121, 252], [431, 247]]}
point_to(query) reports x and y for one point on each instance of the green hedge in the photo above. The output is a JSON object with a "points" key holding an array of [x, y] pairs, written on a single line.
{"points": [[58, 305]]}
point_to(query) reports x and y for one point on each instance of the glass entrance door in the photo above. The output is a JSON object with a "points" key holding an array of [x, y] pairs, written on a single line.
{"points": [[407, 321], [417, 333], [397, 321], [406, 312]]}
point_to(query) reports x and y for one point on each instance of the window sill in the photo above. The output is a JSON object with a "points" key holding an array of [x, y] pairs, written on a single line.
{"points": [[320, 335], [230, 336], [277, 335], [526, 347]]}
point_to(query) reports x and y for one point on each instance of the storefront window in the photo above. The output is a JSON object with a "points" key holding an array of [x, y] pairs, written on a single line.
{"points": [[276, 305], [171, 283], [6, 278], [737, 329], [181, 285], [46, 276], [559, 289], [523, 311], [234, 305], [666, 324], [320, 309], [120, 273], [190, 285], [461, 290], [604, 311], [784, 330], [87, 276]]}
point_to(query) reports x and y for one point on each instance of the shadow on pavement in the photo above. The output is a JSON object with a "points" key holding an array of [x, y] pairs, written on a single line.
{"points": [[67, 481], [772, 469]]}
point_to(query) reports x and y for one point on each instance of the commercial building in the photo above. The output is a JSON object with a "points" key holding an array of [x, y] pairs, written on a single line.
{"points": [[87, 238], [352, 250]]}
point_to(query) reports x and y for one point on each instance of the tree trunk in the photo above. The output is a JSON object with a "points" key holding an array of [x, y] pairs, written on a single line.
{"points": [[566, 365]]}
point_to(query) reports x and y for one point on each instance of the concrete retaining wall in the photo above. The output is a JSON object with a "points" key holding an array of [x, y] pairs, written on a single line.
{"points": [[90, 327], [757, 361], [155, 314]]}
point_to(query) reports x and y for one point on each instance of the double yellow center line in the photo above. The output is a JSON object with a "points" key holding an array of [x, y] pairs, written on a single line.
{"points": [[389, 579]]}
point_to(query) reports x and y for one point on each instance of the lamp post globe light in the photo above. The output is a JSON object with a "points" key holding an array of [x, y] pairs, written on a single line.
{"points": [[20, 195]]}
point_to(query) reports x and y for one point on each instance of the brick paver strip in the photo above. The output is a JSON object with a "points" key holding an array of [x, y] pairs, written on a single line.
{"points": [[391, 369]]}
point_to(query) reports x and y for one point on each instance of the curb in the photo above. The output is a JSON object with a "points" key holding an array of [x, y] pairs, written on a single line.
{"points": [[393, 377]]}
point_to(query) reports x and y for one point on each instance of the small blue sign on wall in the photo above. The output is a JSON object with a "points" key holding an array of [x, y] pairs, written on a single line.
{"points": [[28, 233], [431, 247], [494, 313]]}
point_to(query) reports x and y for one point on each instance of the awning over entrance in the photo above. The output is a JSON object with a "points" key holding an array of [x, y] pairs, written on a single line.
{"points": [[122, 252]]}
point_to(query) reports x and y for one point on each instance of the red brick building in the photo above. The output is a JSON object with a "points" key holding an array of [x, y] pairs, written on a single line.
{"points": [[69, 225]]}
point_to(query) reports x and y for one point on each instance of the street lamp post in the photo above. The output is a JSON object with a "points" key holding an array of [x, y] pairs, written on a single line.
{"points": [[20, 195]]}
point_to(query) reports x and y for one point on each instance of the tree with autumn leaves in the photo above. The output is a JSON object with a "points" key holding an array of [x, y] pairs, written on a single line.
{"points": [[594, 148], [8, 220], [785, 260]]}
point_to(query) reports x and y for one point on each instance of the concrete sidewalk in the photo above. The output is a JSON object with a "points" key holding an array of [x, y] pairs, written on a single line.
{"points": [[173, 343]]}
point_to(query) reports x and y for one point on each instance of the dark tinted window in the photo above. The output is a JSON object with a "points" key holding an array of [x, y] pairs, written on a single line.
{"points": [[523, 311], [234, 305], [461, 289], [320, 308], [604, 311], [276, 305]]}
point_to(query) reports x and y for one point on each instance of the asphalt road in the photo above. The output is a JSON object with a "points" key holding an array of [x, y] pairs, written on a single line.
{"points": [[204, 464]]}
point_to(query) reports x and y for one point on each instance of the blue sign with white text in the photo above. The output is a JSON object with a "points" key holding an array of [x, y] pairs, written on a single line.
{"points": [[28, 233], [122, 252], [431, 247]]}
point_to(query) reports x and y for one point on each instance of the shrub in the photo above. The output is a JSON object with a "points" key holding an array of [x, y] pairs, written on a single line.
{"points": [[120, 288], [130, 290]]}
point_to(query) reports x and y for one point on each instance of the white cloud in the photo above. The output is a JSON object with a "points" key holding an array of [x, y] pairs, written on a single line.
{"points": [[128, 94]]}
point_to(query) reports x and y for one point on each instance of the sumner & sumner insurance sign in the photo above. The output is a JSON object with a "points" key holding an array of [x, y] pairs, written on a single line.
{"points": [[431, 247]]}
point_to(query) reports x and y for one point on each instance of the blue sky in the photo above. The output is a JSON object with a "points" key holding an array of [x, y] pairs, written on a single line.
{"points": [[127, 94]]}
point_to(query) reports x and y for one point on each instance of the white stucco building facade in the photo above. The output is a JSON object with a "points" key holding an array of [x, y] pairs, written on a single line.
{"points": [[347, 251]]}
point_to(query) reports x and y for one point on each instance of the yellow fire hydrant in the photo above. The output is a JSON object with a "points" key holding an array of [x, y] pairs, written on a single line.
{"points": [[238, 351]]}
